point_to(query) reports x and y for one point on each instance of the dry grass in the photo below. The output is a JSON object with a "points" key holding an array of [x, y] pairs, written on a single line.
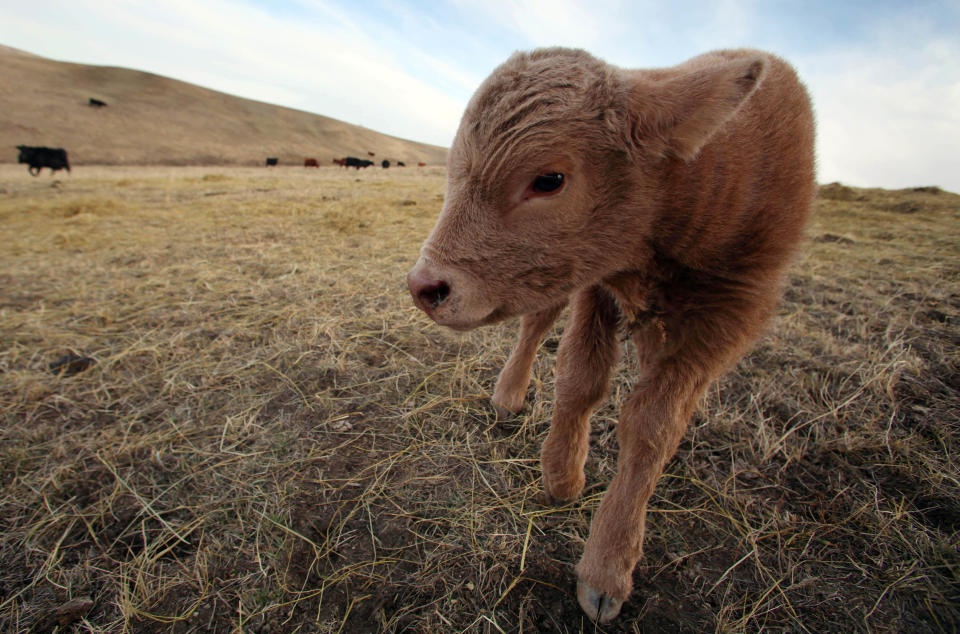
{"points": [[272, 439]]}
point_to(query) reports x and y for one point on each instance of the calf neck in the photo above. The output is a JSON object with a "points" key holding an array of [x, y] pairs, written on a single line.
{"points": [[664, 202]]}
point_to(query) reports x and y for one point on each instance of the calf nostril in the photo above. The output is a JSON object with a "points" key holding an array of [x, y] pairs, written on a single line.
{"points": [[434, 294]]}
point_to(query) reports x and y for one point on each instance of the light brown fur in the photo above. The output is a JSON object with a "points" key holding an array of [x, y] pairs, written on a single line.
{"points": [[685, 193]]}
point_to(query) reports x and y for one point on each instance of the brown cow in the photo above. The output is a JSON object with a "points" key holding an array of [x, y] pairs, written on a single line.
{"points": [[664, 203], [310, 162], [421, 164]]}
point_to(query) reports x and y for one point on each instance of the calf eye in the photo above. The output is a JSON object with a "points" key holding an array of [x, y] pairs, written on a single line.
{"points": [[546, 183]]}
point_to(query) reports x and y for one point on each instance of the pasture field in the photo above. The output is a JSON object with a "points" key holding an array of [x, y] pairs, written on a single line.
{"points": [[272, 439]]}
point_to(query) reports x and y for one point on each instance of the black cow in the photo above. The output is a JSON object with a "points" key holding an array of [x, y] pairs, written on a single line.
{"points": [[385, 164], [401, 164], [96, 103], [353, 161], [271, 161], [39, 157]]}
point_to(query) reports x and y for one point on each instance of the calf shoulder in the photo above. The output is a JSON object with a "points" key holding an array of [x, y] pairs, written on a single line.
{"points": [[740, 206]]}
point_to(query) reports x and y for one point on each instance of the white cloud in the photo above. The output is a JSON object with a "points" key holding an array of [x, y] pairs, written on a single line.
{"points": [[550, 22], [888, 116]]}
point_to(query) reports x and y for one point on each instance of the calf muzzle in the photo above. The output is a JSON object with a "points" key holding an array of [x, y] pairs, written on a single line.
{"points": [[427, 291]]}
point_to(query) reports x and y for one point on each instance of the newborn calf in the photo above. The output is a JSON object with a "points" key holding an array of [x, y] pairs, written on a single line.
{"points": [[665, 202]]}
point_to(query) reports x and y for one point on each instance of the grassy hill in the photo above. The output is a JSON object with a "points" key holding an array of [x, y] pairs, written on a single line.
{"points": [[271, 438], [154, 120]]}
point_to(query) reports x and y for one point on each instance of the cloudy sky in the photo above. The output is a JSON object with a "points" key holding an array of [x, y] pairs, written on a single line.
{"points": [[884, 75]]}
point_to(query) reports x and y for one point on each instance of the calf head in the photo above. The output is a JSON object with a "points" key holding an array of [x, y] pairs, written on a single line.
{"points": [[554, 177]]}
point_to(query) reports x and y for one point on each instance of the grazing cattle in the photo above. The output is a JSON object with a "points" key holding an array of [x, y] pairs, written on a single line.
{"points": [[271, 161], [310, 162], [39, 157], [421, 164], [385, 164], [96, 103], [400, 164], [352, 161], [370, 154], [341, 162], [665, 204]]}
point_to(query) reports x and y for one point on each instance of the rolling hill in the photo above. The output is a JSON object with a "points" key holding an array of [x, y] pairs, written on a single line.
{"points": [[155, 120]]}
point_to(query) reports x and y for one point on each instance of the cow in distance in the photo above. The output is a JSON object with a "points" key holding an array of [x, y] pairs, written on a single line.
{"points": [[39, 157], [356, 163]]}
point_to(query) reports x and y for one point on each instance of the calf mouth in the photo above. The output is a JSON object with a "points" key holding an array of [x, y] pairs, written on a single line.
{"points": [[448, 316], [451, 321]]}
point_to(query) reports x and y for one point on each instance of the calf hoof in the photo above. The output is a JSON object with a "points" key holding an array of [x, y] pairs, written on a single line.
{"points": [[562, 491], [502, 412], [548, 500], [599, 606], [507, 405]]}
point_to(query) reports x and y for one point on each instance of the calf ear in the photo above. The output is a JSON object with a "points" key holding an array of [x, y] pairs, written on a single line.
{"points": [[676, 114]]}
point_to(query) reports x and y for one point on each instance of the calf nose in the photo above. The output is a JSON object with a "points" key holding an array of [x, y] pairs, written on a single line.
{"points": [[428, 292]]}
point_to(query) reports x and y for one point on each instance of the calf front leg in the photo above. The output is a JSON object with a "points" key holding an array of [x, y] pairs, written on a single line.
{"points": [[677, 368], [651, 426], [587, 353], [511, 388]]}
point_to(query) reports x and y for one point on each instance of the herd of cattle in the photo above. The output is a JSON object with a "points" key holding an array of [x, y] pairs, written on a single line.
{"points": [[37, 158], [349, 161]]}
